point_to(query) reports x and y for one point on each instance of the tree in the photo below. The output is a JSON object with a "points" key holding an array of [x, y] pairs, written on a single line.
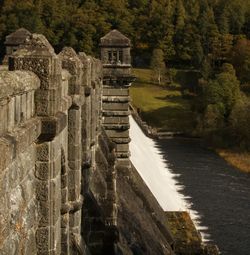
{"points": [[240, 58], [240, 123], [158, 66], [224, 91]]}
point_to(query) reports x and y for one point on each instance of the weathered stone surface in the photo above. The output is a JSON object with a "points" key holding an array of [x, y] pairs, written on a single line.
{"points": [[6, 152], [30, 245], [17, 82], [42, 240], [115, 92]]}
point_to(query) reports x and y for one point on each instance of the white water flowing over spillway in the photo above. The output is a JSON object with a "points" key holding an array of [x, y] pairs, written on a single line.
{"points": [[153, 169]]}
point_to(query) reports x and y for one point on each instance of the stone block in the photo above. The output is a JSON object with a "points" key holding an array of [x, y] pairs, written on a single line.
{"points": [[23, 107], [33, 109], [4, 217], [116, 113], [42, 170], [30, 243], [43, 213], [6, 152], [116, 120], [64, 181], [42, 190], [29, 105], [122, 147], [55, 199], [65, 222], [53, 126], [115, 92], [47, 95], [56, 166], [10, 246], [16, 205], [117, 134], [56, 146], [28, 190], [33, 129], [74, 179], [74, 118], [76, 164], [74, 153], [75, 219], [22, 140], [14, 173], [64, 236], [3, 116], [11, 114], [47, 107], [73, 194], [17, 109], [74, 136], [30, 219], [42, 240], [64, 195], [55, 238], [43, 151], [115, 106]]}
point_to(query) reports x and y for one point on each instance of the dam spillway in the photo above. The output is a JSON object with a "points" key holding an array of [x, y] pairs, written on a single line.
{"points": [[154, 170], [150, 164]]}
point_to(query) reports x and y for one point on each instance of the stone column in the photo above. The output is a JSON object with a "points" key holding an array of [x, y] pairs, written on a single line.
{"points": [[72, 63]]}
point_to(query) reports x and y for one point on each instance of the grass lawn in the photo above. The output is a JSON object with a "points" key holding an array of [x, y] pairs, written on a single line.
{"points": [[160, 107], [241, 160]]}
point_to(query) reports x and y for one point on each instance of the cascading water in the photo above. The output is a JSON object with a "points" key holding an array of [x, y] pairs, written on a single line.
{"points": [[155, 172]]}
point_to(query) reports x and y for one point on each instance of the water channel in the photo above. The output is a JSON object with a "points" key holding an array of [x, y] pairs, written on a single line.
{"points": [[183, 175], [219, 192]]}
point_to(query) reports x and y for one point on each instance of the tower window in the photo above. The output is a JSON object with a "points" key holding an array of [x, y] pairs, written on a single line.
{"points": [[115, 57], [120, 56], [110, 56]]}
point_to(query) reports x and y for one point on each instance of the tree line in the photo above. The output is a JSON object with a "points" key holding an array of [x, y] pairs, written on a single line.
{"points": [[212, 36], [186, 31]]}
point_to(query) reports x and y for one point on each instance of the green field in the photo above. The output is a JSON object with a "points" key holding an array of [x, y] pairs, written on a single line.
{"points": [[160, 107]]}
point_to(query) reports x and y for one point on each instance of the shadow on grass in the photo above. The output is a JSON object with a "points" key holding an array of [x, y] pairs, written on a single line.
{"points": [[170, 118], [170, 98]]}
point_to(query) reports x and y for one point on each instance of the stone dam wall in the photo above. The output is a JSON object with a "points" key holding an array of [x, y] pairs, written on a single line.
{"points": [[62, 189]]}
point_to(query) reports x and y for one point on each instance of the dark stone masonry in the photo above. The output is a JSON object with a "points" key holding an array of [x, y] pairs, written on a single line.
{"points": [[67, 185]]}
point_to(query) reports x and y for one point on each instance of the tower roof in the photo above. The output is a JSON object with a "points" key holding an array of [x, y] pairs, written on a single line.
{"points": [[115, 38], [17, 37]]}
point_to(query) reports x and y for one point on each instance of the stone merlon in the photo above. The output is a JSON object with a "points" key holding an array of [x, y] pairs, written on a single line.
{"points": [[17, 82]]}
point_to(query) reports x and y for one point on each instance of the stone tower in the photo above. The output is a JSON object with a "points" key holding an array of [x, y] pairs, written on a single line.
{"points": [[117, 78]]}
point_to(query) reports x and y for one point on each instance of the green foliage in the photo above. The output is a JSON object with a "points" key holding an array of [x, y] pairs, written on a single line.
{"points": [[158, 66], [186, 31], [240, 58], [223, 92], [159, 106], [240, 123]]}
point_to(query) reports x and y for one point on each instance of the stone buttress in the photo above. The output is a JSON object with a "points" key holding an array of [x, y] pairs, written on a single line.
{"points": [[38, 56]]}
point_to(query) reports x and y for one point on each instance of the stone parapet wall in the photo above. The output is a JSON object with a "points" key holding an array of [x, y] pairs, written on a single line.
{"points": [[16, 98], [19, 129], [54, 154]]}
